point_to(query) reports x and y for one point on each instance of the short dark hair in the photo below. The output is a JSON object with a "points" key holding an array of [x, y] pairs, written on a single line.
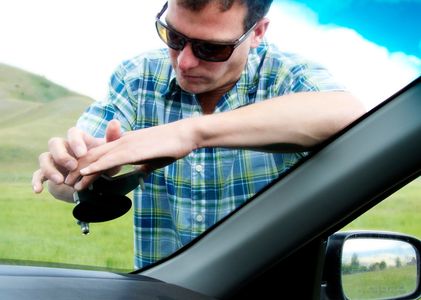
{"points": [[256, 9]]}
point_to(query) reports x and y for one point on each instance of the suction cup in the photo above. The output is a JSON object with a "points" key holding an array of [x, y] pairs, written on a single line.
{"points": [[105, 199], [102, 208]]}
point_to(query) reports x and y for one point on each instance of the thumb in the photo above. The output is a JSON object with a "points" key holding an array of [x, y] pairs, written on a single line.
{"points": [[113, 131]]}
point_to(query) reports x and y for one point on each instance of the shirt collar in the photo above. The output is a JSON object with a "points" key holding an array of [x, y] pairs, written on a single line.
{"points": [[173, 88]]}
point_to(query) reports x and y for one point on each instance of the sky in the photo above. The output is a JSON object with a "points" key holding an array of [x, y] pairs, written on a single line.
{"points": [[375, 250], [372, 46], [391, 23]]}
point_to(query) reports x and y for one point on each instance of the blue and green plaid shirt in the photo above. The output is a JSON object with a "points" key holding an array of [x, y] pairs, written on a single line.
{"points": [[182, 200]]}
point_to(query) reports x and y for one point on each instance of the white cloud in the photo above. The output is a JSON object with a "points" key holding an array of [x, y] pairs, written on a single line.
{"points": [[78, 43], [370, 71]]}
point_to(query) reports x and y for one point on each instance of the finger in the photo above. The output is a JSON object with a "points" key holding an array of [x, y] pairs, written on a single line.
{"points": [[104, 158], [72, 178], [76, 140], [80, 142], [85, 182], [117, 153], [49, 169], [61, 154], [75, 179], [76, 136], [113, 131], [37, 181], [116, 158], [105, 153]]}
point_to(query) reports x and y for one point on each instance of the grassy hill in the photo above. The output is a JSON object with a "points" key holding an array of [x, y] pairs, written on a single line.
{"points": [[32, 109], [19, 84]]}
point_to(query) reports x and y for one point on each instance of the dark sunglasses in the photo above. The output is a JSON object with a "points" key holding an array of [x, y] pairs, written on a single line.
{"points": [[205, 50]]}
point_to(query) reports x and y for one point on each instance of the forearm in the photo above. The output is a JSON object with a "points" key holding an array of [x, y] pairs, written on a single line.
{"points": [[288, 123]]}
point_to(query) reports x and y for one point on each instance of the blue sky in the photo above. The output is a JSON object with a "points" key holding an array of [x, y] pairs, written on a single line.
{"points": [[392, 23], [371, 46]]}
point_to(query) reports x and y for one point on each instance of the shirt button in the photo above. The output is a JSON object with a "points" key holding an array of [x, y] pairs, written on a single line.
{"points": [[199, 218], [198, 168]]}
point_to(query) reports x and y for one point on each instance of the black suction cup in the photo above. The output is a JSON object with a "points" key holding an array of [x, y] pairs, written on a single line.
{"points": [[105, 199], [102, 208]]}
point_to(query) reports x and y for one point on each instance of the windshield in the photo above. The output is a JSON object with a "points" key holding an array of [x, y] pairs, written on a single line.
{"points": [[57, 59]]}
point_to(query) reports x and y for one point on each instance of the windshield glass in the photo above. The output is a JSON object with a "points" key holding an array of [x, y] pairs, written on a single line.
{"points": [[57, 58]]}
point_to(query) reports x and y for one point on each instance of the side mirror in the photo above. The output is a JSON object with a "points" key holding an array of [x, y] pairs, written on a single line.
{"points": [[372, 265]]}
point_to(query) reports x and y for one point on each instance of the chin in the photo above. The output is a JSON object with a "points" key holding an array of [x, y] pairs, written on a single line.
{"points": [[193, 88]]}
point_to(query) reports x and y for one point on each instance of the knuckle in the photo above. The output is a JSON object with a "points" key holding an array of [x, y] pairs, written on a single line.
{"points": [[53, 141], [89, 156], [61, 159], [73, 131]]}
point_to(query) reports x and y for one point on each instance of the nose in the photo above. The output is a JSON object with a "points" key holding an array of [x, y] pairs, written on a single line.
{"points": [[186, 59]]}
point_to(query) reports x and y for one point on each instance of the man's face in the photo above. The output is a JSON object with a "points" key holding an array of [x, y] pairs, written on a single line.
{"points": [[198, 76]]}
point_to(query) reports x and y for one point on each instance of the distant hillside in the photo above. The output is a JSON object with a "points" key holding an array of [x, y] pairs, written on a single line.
{"points": [[32, 110], [19, 84]]}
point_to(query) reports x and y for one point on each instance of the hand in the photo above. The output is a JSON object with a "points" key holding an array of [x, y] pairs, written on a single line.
{"points": [[63, 154], [152, 148]]}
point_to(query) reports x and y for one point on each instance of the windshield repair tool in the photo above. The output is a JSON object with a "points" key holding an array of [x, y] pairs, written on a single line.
{"points": [[105, 199]]}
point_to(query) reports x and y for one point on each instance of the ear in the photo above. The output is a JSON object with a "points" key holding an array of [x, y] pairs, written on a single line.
{"points": [[259, 32]]}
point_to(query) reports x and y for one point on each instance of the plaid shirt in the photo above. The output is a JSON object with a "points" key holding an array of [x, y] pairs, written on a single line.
{"points": [[182, 200]]}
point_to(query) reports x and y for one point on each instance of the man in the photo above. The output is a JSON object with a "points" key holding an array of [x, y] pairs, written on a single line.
{"points": [[199, 108]]}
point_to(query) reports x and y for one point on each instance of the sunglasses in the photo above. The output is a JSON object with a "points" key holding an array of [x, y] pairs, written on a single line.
{"points": [[205, 50]]}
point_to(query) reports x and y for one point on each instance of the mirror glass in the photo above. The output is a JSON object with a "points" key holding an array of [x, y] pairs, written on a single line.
{"points": [[378, 268]]}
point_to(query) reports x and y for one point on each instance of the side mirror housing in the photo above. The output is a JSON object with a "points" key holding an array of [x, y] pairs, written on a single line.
{"points": [[372, 265]]}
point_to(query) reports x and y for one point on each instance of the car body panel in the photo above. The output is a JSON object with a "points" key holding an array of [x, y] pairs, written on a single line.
{"points": [[39, 283]]}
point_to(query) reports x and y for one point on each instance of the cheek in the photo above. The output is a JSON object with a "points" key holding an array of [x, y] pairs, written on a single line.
{"points": [[236, 64], [231, 68]]}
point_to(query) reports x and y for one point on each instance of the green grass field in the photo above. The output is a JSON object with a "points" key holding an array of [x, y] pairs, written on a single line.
{"points": [[37, 228], [388, 283], [400, 212]]}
